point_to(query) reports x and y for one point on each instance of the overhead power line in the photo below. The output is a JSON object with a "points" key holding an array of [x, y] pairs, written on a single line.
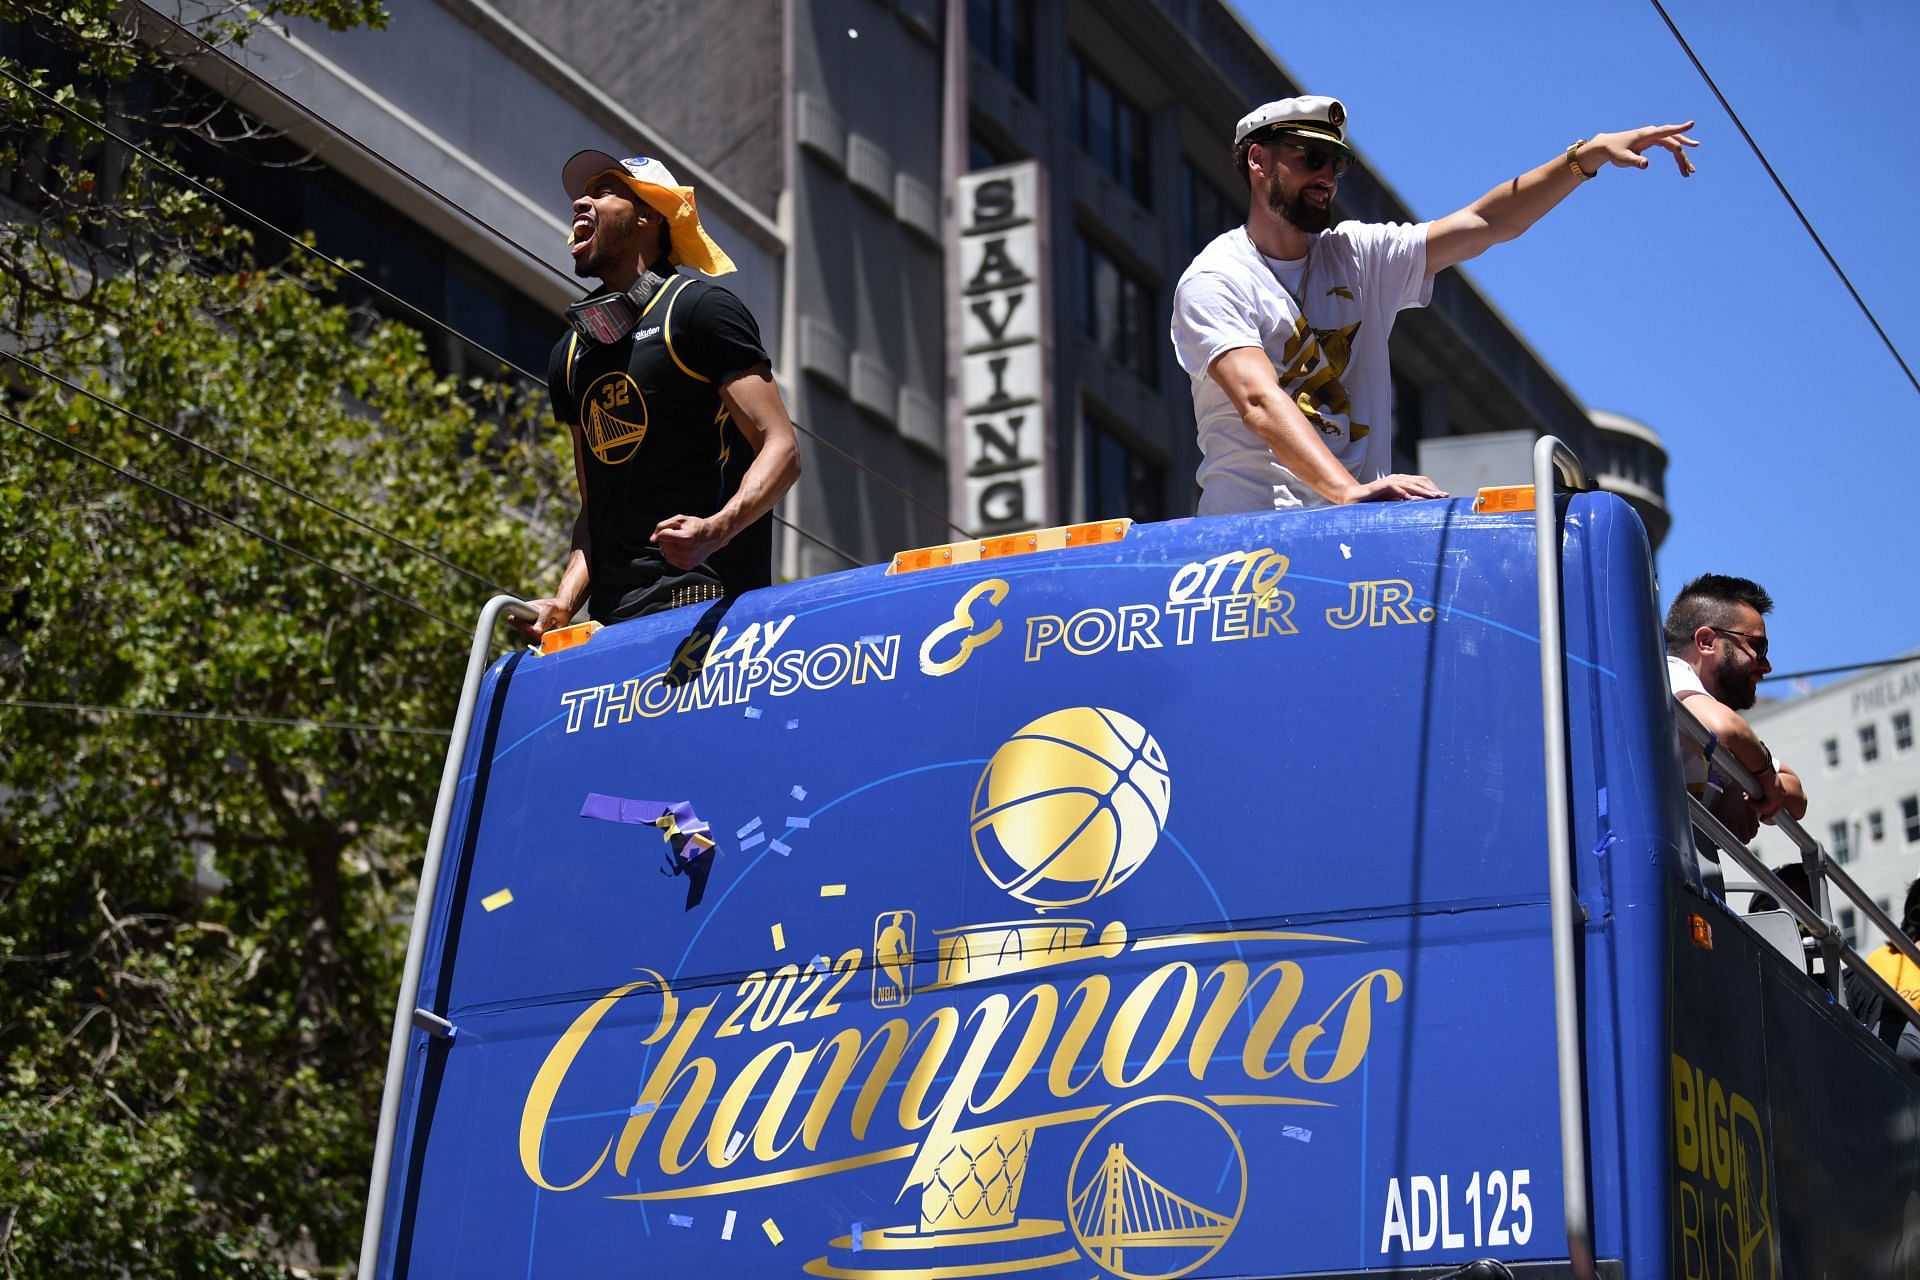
{"points": [[277, 483], [1786, 195], [1841, 670], [288, 236], [461, 211], [442, 325], [251, 532], [342, 726]]}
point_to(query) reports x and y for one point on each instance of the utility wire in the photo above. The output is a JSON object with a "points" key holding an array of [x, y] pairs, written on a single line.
{"points": [[277, 483], [288, 236], [1788, 197], [508, 241], [343, 726], [779, 519], [538, 381], [1840, 670], [229, 520]]}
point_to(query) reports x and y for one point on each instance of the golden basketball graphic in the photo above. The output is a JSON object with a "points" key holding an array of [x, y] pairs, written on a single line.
{"points": [[1070, 806], [613, 418]]}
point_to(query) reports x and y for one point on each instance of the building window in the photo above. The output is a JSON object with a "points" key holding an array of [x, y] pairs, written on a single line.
{"points": [[1837, 843], [1877, 826], [1208, 211], [1832, 746], [1121, 480], [1869, 743], [1849, 926], [1110, 129], [1910, 817], [1001, 31], [1117, 312], [1903, 730]]}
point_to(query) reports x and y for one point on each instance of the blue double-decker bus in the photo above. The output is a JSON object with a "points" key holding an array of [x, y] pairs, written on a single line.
{"points": [[1150, 901]]}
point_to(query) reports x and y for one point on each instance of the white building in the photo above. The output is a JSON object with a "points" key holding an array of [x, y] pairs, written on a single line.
{"points": [[1853, 745]]}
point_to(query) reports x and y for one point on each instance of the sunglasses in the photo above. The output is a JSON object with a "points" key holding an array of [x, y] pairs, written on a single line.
{"points": [[1757, 643], [1313, 156]]}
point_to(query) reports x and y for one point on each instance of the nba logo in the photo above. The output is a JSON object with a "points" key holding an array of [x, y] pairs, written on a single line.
{"points": [[892, 959]]}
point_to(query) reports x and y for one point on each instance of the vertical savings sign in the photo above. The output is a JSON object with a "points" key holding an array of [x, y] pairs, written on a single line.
{"points": [[1004, 382]]}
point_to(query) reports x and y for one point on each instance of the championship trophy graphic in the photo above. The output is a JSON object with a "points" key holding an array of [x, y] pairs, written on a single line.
{"points": [[1069, 807]]}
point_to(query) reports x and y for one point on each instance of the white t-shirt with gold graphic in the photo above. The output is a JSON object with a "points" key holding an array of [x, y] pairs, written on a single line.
{"points": [[1354, 280]]}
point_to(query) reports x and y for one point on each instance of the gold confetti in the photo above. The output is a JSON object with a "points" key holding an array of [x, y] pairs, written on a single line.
{"points": [[495, 901], [779, 937], [772, 1229], [833, 891]]}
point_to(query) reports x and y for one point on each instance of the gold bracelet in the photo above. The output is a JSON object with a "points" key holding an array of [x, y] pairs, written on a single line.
{"points": [[1573, 159]]}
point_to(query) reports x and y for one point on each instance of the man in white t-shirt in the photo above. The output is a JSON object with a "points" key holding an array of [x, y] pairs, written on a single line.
{"points": [[1282, 324], [1716, 635]]}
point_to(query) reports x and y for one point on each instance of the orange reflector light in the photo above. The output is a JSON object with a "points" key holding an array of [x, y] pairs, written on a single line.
{"points": [[1495, 499], [567, 637], [1700, 931], [1011, 544]]}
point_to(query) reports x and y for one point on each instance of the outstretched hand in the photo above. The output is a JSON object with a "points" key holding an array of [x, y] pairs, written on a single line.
{"points": [[1627, 149]]}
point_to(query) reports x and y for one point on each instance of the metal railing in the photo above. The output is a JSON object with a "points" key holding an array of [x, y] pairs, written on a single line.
{"points": [[1821, 870], [1549, 455], [405, 1014]]}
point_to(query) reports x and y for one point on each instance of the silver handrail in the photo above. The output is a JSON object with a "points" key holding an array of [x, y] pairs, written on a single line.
{"points": [[1821, 868], [1549, 454], [403, 1013]]}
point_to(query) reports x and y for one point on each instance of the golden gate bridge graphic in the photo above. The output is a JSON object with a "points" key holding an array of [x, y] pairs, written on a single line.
{"points": [[1121, 1208]]}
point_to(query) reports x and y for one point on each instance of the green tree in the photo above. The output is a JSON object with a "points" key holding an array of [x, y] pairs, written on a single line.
{"points": [[201, 921]]}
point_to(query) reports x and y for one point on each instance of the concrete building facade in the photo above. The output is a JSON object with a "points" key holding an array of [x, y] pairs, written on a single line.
{"points": [[1853, 744], [830, 141]]}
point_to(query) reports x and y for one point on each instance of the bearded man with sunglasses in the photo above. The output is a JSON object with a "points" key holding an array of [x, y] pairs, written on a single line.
{"points": [[1716, 635], [1282, 323], [681, 443]]}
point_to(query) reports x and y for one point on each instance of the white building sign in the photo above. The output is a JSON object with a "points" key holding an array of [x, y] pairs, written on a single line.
{"points": [[1004, 375]]}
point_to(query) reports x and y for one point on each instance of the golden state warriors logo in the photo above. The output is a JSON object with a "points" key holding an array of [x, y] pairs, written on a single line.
{"points": [[614, 417], [1070, 806]]}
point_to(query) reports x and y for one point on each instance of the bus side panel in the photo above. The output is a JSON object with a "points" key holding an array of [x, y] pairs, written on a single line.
{"points": [[1174, 905], [1792, 1132], [1627, 828]]}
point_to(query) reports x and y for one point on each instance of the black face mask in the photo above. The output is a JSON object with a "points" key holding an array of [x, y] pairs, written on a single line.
{"points": [[608, 317]]}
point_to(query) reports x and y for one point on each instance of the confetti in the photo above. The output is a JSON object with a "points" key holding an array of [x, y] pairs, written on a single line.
{"points": [[780, 847], [751, 841], [793, 724], [748, 830], [735, 1145], [799, 824], [495, 901], [855, 1233], [779, 937], [680, 1219], [773, 1230], [799, 792], [833, 891], [1346, 552], [753, 713], [642, 1108], [726, 1232], [1298, 1134]]}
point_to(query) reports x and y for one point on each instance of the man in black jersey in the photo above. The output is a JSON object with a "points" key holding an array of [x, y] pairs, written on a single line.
{"points": [[681, 443]]}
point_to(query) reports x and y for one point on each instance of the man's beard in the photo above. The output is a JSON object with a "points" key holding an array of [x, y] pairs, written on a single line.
{"points": [[1297, 211], [610, 241], [1738, 688]]}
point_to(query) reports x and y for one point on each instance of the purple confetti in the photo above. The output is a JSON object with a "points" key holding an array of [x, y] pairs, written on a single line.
{"points": [[750, 841], [780, 848], [799, 792], [799, 824]]}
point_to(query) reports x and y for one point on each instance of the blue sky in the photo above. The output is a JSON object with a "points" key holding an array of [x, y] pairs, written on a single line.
{"points": [[1700, 307]]}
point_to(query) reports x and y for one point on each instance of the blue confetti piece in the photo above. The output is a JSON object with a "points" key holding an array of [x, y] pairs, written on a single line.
{"points": [[856, 1237], [1297, 1133], [641, 1108], [747, 830], [1603, 802], [799, 824], [781, 848], [751, 841], [753, 713], [680, 1219], [793, 724], [873, 640], [799, 792]]}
